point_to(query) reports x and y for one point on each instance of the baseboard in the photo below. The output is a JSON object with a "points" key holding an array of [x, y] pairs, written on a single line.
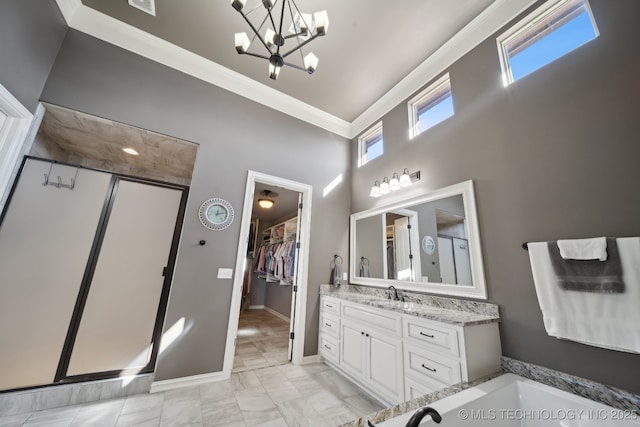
{"points": [[275, 313], [164, 385], [316, 358], [256, 307]]}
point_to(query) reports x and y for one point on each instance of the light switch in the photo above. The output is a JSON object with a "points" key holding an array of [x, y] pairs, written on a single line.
{"points": [[225, 273], [344, 276]]}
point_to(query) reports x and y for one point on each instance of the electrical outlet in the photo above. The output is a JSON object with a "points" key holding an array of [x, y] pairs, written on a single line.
{"points": [[225, 273], [344, 276]]}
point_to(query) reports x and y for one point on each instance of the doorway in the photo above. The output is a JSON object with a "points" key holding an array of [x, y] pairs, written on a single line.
{"points": [[268, 304]]}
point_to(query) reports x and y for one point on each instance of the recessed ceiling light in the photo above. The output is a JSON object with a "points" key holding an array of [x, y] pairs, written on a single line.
{"points": [[130, 151]]}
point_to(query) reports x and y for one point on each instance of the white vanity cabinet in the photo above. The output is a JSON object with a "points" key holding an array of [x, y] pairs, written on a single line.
{"points": [[373, 358], [437, 355], [329, 336], [398, 356]]}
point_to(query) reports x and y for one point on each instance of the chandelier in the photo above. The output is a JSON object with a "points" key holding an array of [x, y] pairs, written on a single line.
{"points": [[303, 29]]}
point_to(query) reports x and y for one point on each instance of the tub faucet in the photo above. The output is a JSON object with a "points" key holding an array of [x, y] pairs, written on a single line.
{"points": [[415, 419]]}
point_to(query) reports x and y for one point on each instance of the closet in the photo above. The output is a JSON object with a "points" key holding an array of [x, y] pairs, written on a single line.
{"points": [[276, 258], [86, 260]]}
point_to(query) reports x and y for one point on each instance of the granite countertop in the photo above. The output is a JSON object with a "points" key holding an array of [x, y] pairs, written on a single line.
{"points": [[440, 314]]}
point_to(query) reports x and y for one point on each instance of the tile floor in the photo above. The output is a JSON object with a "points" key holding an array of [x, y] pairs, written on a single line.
{"points": [[278, 395]]}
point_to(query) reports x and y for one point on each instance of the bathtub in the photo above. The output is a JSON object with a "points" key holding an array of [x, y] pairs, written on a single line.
{"points": [[514, 401]]}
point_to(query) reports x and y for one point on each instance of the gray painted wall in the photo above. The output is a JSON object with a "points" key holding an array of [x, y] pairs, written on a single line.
{"points": [[235, 135], [31, 32], [553, 156]]}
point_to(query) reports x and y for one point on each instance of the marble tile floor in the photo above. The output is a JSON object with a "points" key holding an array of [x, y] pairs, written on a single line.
{"points": [[263, 341], [283, 395], [264, 390]]}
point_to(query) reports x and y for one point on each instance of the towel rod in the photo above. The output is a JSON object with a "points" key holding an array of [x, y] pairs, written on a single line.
{"points": [[525, 246]]}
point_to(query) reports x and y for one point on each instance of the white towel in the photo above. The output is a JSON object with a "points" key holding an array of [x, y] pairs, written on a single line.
{"points": [[602, 320], [595, 248]]}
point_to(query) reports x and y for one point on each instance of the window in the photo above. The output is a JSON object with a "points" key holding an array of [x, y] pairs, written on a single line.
{"points": [[553, 30], [370, 145], [431, 106]]}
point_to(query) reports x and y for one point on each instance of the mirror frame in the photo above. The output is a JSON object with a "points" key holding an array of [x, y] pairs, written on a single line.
{"points": [[479, 288]]}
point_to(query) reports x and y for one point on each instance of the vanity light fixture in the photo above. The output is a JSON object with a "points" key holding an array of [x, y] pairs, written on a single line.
{"points": [[375, 190], [384, 187], [396, 183]]}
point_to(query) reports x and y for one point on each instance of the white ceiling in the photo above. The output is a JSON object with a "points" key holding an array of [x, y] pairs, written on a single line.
{"points": [[375, 55]]}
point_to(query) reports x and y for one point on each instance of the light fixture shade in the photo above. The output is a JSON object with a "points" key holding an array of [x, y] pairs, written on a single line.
{"points": [[384, 187], [268, 3], [321, 20], [375, 190], [242, 42], [274, 71], [238, 4], [311, 62], [405, 179], [269, 38], [394, 184], [266, 203]]}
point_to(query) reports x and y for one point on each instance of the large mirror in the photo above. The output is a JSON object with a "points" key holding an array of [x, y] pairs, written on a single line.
{"points": [[428, 243]]}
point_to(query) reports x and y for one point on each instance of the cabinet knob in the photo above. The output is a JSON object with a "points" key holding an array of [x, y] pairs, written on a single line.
{"points": [[361, 333]]}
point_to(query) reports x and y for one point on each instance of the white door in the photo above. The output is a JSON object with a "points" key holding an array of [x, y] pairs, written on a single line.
{"points": [[447, 263], [462, 260], [294, 288], [45, 240], [352, 351], [118, 320], [385, 371]]}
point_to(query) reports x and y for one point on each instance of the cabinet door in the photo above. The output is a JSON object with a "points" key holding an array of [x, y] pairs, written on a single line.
{"points": [[352, 352], [384, 362]]}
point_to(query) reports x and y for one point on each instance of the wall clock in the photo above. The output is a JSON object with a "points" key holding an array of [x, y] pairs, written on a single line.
{"points": [[216, 214], [428, 245]]}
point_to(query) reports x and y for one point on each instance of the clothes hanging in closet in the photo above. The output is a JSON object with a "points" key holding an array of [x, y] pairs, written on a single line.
{"points": [[276, 262]]}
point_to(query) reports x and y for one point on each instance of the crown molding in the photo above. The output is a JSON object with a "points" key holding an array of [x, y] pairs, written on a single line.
{"points": [[497, 15], [106, 28], [118, 33]]}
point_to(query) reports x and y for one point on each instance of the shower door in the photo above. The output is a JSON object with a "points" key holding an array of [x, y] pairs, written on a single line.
{"points": [[114, 331]]}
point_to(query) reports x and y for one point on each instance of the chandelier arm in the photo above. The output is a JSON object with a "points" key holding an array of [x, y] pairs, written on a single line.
{"points": [[309, 40], [257, 55], [290, 36], [281, 22], [295, 6], [255, 31], [297, 67]]}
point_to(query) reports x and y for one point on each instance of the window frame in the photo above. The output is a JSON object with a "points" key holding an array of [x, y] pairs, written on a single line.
{"points": [[427, 96], [525, 24], [369, 135]]}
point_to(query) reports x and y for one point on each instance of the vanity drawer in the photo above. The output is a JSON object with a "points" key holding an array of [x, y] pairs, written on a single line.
{"points": [[329, 324], [432, 334], [328, 347], [330, 305], [380, 319], [421, 363]]}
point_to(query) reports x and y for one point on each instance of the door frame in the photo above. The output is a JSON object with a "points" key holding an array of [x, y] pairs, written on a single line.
{"points": [[301, 280]]}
